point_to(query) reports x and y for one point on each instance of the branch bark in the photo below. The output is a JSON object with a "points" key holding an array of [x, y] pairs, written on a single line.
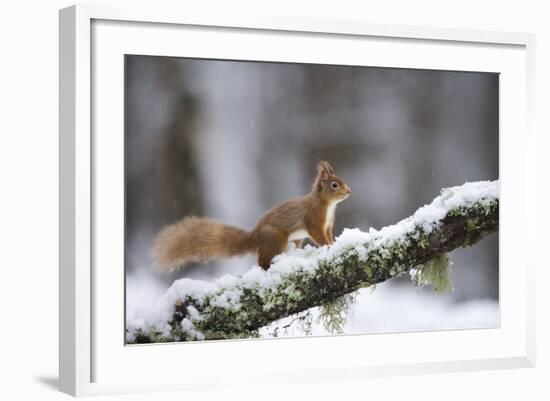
{"points": [[205, 317]]}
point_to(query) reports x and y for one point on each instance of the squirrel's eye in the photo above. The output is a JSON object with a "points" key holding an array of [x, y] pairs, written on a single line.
{"points": [[334, 185]]}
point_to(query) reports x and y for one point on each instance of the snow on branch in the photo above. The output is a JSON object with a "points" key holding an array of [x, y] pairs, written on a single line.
{"points": [[237, 307]]}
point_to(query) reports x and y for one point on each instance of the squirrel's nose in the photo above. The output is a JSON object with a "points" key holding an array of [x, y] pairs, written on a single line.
{"points": [[349, 190]]}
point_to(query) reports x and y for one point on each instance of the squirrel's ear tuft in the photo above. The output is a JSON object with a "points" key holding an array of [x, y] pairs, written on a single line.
{"points": [[324, 172], [326, 167]]}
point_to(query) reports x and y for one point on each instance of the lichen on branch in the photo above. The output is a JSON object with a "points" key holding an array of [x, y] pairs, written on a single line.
{"points": [[237, 307]]}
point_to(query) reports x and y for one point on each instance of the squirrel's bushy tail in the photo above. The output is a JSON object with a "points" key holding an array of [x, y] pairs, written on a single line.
{"points": [[195, 239]]}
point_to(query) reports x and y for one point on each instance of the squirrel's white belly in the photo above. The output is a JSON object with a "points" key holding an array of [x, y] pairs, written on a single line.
{"points": [[298, 234], [331, 212]]}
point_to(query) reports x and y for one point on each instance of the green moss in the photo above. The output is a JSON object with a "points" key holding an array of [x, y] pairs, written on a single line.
{"points": [[222, 335], [435, 273], [150, 336], [482, 208], [368, 270], [333, 314], [471, 224], [288, 294]]}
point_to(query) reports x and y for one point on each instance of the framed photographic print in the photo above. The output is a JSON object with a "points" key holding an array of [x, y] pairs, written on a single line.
{"points": [[260, 190]]}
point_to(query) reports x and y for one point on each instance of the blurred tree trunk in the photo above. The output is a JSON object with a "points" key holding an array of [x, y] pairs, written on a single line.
{"points": [[162, 182]]}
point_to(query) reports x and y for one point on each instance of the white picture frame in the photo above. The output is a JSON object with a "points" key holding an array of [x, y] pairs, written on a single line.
{"points": [[96, 364]]}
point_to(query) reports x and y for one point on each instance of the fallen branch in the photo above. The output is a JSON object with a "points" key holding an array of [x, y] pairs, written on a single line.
{"points": [[236, 307]]}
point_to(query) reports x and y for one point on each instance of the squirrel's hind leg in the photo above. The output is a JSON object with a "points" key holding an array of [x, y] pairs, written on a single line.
{"points": [[272, 242]]}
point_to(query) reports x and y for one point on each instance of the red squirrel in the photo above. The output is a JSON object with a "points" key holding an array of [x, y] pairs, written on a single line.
{"points": [[196, 239]]}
